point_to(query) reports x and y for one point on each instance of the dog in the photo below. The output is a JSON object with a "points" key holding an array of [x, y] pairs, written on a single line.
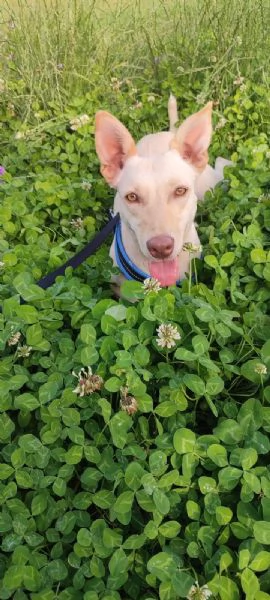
{"points": [[157, 182]]}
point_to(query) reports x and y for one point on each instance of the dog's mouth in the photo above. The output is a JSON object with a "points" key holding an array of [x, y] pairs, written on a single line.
{"points": [[165, 271]]}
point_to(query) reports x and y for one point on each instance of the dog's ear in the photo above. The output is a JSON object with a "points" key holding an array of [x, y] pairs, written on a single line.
{"points": [[114, 145], [193, 137]]}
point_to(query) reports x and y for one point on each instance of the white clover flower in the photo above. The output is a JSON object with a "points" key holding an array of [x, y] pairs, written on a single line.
{"points": [[19, 135], [87, 382], [151, 98], [86, 185], [2, 264], [84, 119], [167, 334], [24, 351], [221, 123], [192, 248], [14, 339], [76, 223], [74, 123], [201, 98], [239, 80], [261, 369], [138, 104], [78, 122], [238, 40], [199, 593], [116, 84], [151, 285], [128, 403]]}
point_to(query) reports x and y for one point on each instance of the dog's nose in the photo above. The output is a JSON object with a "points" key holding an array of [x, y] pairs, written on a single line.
{"points": [[160, 246]]}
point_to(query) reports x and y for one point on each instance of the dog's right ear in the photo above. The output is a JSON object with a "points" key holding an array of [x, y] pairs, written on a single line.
{"points": [[114, 145]]}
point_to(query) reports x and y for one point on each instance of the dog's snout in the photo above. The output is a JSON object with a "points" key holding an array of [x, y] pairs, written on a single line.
{"points": [[160, 246]]}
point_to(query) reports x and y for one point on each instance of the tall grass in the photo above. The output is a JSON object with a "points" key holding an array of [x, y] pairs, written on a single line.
{"points": [[54, 50]]}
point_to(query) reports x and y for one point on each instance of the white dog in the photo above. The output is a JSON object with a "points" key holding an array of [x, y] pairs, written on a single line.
{"points": [[157, 186]]}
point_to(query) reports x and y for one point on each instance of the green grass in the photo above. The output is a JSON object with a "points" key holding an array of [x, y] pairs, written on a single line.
{"points": [[100, 502], [55, 50]]}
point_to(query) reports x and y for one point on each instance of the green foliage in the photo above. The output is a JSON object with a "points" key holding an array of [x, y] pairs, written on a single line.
{"points": [[128, 470], [145, 48]]}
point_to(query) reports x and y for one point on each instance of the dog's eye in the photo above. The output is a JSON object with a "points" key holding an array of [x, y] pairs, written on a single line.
{"points": [[132, 197], [180, 191]]}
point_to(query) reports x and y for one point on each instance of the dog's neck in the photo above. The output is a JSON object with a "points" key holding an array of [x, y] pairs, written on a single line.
{"points": [[133, 251]]}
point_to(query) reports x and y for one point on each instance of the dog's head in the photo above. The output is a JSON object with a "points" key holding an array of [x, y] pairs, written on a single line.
{"points": [[155, 194]]}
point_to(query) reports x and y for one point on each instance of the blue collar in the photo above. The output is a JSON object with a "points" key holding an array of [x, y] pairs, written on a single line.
{"points": [[126, 266]]}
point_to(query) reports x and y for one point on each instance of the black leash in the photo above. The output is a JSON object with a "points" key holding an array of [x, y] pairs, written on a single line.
{"points": [[82, 255]]}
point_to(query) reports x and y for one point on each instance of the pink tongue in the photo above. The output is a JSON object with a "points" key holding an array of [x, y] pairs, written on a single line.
{"points": [[165, 271]]}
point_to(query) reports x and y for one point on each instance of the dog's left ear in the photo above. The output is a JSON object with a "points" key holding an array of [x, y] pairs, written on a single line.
{"points": [[193, 137], [114, 145]]}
